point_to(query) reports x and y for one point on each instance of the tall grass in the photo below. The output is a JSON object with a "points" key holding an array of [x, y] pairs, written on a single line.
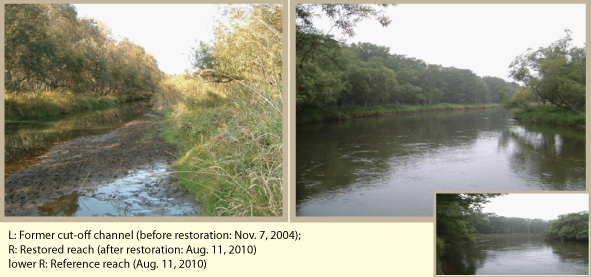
{"points": [[44, 104], [231, 136]]}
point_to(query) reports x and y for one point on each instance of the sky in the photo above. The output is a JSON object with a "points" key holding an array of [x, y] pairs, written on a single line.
{"points": [[482, 38], [541, 205], [166, 31]]}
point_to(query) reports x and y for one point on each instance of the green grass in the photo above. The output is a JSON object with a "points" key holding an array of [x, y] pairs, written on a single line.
{"points": [[49, 104], [231, 138], [550, 115], [346, 113]]}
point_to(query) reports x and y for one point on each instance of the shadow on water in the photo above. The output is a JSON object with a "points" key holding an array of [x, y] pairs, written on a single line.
{"points": [[26, 140], [516, 255], [391, 165]]}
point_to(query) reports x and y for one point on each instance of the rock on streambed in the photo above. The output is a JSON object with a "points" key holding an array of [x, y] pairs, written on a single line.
{"points": [[122, 173]]}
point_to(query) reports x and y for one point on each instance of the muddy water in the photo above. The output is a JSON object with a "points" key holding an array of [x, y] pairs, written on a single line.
{"points": [[391, 165], [28, 139], [517, 256], [148, 191]]}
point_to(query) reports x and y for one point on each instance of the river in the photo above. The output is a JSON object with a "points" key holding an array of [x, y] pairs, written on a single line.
{"points": [[392, 165], [506, 255]]}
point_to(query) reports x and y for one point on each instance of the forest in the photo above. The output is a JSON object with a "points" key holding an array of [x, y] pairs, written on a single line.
{"points": [[335, 79], [333, 75], [56, 63], [460, 219]]}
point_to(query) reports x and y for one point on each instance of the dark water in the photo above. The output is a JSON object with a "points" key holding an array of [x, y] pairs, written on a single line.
{"points": [[390, 166], [26, 140], [517, 256]]}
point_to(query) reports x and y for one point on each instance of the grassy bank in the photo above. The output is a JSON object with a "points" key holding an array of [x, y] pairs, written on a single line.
{"points": [[346, 113], [47, 104], [550, 115], [231, 139]]}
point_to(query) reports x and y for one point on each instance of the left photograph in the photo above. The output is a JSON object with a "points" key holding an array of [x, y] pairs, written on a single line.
{"points": [[143, 110]]}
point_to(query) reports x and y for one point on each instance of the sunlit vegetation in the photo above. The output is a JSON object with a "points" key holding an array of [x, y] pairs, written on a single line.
{"points": [[332, 75], [554, 84], [226, 115], [51, 53]]}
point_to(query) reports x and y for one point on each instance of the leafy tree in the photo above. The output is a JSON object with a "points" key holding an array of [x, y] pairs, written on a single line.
{"points": [[454, 214], [554, 74], [572, 226]]}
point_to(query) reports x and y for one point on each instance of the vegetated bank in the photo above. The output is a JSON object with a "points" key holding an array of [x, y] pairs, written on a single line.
{"points": [[554, 81], [52, 104], [57, 63], [226, 117], [346, 113]]}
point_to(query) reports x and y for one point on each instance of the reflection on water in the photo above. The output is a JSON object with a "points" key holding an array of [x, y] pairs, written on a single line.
{"points": [[25, 140], [517, 256], [391, 165]]}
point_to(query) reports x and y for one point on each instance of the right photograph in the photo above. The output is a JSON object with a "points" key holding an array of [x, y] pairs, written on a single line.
{"points": [[512, 234], [394, 102]]}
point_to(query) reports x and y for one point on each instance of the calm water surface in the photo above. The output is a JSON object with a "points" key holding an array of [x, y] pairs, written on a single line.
{"points": [[390, 166], [25, 140], [517, 256]]}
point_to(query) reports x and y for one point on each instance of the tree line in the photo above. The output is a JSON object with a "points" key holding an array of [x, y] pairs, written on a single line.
{"points": [[330, 72], [460, 218], [47, 47]]}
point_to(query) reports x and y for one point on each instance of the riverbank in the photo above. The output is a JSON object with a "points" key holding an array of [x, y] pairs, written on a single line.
{"points": [[81, 166], [550, 115], [230, 136], [338, 114], [51, 104], [508, 235]]}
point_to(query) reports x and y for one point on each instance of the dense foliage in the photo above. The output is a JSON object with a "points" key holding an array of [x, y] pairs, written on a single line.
{"points": [[454, 215], [553, 74], [331, 73], [47, 47], [226, 115], [573, 226]]}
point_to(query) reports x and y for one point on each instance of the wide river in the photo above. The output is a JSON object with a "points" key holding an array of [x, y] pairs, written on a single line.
{"points": [[517, 256], [392, 165]]}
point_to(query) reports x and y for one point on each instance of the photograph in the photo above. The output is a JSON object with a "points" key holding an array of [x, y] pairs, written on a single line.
{"points": [[394, 102], [143, 110], [512, 234]]}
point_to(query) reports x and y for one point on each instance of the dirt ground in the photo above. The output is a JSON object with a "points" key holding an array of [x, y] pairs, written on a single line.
{"points": [[89, 161]]}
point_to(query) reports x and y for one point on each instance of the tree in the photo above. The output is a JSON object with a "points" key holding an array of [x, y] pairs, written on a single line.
{"points": [[555, 74], [454, 215], [572, 226]]}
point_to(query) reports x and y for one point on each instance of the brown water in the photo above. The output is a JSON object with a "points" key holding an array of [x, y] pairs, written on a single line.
{"points": [[517, 256], [391, 165]]}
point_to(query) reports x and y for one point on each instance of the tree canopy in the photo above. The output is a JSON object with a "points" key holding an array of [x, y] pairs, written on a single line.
{"points": [[554, 74], [48, 47], [572, 226]]}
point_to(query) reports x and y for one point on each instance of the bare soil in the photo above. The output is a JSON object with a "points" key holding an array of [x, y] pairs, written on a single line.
{"points": [[90, 161]]}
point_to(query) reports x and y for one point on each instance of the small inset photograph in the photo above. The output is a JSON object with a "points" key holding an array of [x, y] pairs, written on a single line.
{"points": [[143, 110], [394, 102], [512, 234]]}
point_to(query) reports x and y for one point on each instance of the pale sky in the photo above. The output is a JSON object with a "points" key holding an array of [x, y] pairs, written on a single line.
{"points": [[482, 38], [166, 31], [541, 205]]}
